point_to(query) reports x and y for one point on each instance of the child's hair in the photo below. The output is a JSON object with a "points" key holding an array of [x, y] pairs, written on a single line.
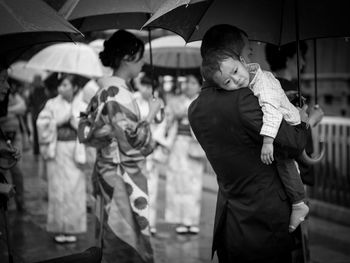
{"points": [[211, 62], [122, 43]]}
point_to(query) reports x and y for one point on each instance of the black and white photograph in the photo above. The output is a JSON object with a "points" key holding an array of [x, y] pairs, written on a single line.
{"points": [[174, 131]]}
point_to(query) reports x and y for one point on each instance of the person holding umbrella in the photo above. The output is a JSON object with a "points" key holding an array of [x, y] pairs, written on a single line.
{"points": [[9, 154], [282, 61], [252, 215], [10, 125], [123, 141]]}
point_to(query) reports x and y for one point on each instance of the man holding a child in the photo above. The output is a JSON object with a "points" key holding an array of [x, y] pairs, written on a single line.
{"points": [[252, 221]]}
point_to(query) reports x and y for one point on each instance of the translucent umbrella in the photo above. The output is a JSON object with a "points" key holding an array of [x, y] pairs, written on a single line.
{"points": [[75, 58], [19, 71], [171, 55]]}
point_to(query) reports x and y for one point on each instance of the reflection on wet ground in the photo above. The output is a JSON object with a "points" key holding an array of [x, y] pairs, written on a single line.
{"points": [[329, 242], [31, 242]]}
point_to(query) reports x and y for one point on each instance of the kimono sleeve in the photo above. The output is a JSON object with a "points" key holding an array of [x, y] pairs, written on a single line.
{"points": [[130, 134]]}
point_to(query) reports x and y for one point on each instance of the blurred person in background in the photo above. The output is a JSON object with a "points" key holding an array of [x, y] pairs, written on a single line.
{"points": [[64, 156], [185, 168], [283, 63], [8, 154], [4, 88], [143, 97], [21, 88], [80, 104], [11, 127], [37, 98]]}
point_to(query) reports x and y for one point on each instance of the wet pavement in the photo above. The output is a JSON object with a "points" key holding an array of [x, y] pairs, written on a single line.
{"points": [[329, 242]]}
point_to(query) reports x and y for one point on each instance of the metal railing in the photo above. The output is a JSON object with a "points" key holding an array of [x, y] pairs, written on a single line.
{"points": [[333, 172]]}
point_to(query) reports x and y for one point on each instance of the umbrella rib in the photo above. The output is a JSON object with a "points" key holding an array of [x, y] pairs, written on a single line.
{"points": [[69, 36], [281, 22], [210, 2]]}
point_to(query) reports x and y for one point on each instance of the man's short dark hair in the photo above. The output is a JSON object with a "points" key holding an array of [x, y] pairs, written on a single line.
{"points": [[277, 56], [225, 37]]}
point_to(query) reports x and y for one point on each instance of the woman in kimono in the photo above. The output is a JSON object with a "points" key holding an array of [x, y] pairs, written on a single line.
{"points": [[185, 165], [122, 141], [66, 181]]}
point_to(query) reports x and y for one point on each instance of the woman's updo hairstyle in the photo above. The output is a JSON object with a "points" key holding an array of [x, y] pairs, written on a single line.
{"points": [[122, 43]]}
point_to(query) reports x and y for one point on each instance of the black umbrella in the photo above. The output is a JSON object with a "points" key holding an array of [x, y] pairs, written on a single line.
{"points": [[29, 23]]}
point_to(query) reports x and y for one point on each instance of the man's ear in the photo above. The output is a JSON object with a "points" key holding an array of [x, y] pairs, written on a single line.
{"points": [[242, 60], [128, 58], [75, 89]]}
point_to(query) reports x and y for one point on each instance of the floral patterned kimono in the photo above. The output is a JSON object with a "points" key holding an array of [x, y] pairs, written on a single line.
{"points": [[119, 179]]}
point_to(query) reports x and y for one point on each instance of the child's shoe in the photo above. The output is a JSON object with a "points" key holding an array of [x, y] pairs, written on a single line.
{"points": [[181, 229], [153, 230], [299, 212], [193, 230], [71, 238], [60, 239]]}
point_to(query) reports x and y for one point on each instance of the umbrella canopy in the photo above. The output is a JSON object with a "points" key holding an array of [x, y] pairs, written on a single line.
{"points": [[171, 55], [20, 72], [270, 21], [29, 22], [75, 58], [88, 15]]}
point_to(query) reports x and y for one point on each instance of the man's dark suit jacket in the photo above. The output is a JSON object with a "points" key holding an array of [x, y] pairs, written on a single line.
{"points": [[252, 213]]}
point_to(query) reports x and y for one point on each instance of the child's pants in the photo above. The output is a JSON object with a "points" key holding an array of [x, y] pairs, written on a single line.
{"points": [[291, 180]]}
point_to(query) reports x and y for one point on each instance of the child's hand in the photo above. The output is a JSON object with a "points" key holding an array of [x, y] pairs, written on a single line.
{"points": [[267, 153]]}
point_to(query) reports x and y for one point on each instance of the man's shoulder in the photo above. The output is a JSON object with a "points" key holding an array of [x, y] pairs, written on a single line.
{"points": [[244, 96], [244, 92], [192, 106], [219, 96], [218, 100]]}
